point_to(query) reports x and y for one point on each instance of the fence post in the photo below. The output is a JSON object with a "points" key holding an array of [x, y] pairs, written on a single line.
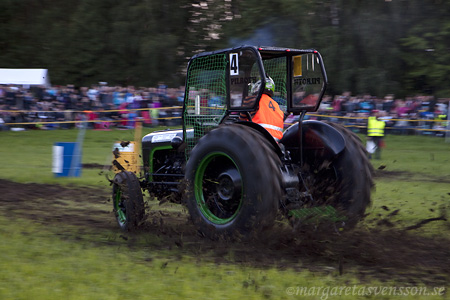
{"points": [[447, 132], [78, 147]]}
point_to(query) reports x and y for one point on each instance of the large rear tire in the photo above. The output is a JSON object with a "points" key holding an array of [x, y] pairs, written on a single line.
{"points": [[344, 182], [233, 183], [128, 201]]}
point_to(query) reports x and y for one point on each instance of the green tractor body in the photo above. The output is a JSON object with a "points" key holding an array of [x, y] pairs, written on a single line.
{"points": [[232, 175]]}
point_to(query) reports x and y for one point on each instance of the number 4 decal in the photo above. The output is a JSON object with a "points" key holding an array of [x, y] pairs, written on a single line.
{"points": [[234, 64]]}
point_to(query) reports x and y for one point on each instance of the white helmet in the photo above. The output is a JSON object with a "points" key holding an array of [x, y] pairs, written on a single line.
{"points": [[270, 86]]}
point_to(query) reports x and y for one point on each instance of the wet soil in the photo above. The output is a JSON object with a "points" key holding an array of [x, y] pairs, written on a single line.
{"points": [[384, 252]]}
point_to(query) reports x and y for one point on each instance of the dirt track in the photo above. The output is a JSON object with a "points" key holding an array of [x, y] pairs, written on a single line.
{"points": [[385, 253]]}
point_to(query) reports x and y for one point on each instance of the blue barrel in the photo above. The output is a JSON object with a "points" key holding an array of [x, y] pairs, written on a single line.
{"points": [[66, 160]]}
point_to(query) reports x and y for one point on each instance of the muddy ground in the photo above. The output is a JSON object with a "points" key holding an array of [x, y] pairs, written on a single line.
{"points": [[383, 252]]}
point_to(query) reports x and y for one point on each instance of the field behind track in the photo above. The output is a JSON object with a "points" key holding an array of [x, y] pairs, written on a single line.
{"points": [[59, 239]]}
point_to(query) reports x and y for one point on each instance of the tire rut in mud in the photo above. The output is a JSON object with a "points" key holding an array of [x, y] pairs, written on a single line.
{"points": [[384, 253]]}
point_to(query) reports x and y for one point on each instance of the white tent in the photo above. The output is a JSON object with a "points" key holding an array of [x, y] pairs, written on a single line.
{"points": [[25, 77]]}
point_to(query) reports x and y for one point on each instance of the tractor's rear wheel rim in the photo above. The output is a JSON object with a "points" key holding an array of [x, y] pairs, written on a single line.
{"points": [[218, 188]]}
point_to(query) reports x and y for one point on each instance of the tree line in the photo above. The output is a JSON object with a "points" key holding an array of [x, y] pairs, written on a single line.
{"points": [[378, 47]]}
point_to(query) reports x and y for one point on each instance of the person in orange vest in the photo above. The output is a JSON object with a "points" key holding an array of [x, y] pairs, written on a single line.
{"points": [[375, 133], [268, 113]]}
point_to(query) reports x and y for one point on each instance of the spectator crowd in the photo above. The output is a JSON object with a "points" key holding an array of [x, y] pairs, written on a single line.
{"points": [[107, 106], [418, 114], [110, 106]]}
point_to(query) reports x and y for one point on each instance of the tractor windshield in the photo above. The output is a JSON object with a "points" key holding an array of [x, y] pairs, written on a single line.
{"points": [[308, 82], [299, 78], [245, 71]]}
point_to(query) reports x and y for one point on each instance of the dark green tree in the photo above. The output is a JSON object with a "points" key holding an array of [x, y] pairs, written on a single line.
{"points": [[426, 49], [375, 47]]}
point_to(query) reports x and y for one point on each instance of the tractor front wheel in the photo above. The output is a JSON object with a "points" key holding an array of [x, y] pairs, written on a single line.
{"points": [[128, 201]]}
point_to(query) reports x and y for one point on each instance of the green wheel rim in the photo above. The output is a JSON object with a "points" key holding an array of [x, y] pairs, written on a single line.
{"points": [[119, 207], [206, 182]]}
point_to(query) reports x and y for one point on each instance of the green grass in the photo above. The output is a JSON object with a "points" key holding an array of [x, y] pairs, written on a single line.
{"points": [[422, 155], [26, 156], [414, 179], [39, 261], [415, 201]]}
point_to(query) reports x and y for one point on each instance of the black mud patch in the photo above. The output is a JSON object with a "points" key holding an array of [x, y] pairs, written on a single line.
{"points": [[384, 253], [382, 172]]}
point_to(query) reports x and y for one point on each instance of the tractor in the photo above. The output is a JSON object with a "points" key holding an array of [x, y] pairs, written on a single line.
{"points": [[234, 178]]}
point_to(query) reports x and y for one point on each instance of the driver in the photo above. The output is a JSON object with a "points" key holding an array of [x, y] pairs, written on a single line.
{"points": [[268, 114]]}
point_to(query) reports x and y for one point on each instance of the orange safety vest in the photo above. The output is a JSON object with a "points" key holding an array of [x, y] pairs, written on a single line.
{"points": [[270, 117]]}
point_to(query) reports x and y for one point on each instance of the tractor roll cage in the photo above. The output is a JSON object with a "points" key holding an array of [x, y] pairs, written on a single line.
{"points": [[220, 83], [265, 54]]}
